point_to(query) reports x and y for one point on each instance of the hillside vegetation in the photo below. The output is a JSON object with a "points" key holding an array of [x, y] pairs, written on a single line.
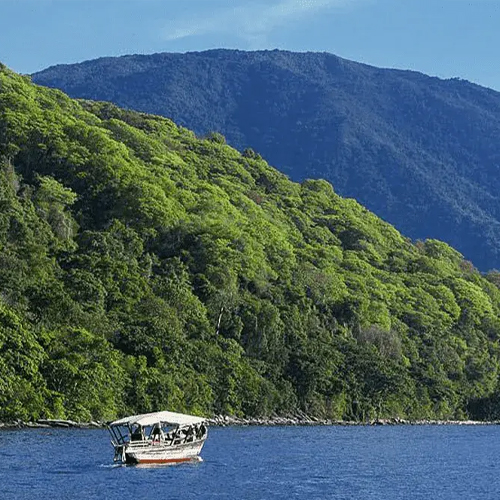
{"points": [[420, 152], [142, 268]]}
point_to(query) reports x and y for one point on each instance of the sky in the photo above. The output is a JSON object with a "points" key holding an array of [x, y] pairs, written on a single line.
{"points": [[445, 38]]}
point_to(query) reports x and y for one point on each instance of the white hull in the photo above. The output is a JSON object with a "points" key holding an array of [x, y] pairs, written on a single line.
{"points": [[158, 453]]}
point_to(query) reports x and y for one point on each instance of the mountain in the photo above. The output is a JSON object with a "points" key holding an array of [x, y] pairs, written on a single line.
{"points": [[142, 268], [422, 153]]}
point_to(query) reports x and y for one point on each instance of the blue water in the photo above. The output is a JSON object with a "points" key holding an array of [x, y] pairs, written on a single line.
{"points": [[362, 463]]}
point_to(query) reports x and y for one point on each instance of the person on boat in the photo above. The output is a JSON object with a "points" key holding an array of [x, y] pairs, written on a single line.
{"points": [[201, 431], [137, 434], [190, 434], [157, 433]]}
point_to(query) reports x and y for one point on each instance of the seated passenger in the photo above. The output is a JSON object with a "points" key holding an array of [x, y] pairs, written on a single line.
{"points": [[202, 430], [156, 433], [137, 434], [190, 434]]}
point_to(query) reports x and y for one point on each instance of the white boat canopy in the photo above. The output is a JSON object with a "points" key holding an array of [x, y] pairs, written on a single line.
{"points": [[166, 417]]}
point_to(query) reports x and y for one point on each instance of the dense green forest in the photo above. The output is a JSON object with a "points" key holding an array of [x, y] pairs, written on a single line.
{"points": [[420, 152], [143, 268]]}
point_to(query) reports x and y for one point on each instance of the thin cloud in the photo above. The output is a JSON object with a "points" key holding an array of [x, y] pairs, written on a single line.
{"points": [[253, 23]]}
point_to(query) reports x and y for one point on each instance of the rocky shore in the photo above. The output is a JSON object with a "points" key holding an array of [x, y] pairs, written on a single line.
{"points": [[225, 420], [51, 423], [303, 420]]}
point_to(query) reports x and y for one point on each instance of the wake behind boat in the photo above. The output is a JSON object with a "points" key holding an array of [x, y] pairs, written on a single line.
{"points": [[158, 438]]}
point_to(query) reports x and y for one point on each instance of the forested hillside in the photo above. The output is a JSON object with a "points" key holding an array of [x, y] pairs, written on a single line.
{"points": [[422, 153], [142, 268]]}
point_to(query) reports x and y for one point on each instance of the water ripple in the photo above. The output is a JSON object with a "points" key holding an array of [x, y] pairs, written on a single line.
{"points": [[259, 463]]}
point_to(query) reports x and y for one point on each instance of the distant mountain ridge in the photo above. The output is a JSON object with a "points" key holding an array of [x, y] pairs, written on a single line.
{"points": [[421, 152]]}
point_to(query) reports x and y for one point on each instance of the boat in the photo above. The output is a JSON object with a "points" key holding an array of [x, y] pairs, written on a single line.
{"points": [[158, 438]]}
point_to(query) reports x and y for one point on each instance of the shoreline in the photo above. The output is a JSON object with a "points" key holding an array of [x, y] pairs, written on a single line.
{"points": [[228, 421], [304, 421]]}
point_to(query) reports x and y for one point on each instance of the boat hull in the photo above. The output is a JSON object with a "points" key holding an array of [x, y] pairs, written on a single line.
{"points": [[163, 454]]}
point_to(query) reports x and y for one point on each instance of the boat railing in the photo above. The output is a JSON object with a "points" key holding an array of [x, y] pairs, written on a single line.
{"points": [[176, 436]]}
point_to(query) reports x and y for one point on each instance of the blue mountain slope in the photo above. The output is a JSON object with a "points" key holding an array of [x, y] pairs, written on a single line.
{"points": [[421, 152]]}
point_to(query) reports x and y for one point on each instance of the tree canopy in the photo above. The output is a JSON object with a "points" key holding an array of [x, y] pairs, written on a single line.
{"points": [[143, 268], [418, 151]]}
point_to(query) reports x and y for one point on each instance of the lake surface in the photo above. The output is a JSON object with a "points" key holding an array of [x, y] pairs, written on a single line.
{"points": [[358, 463]]}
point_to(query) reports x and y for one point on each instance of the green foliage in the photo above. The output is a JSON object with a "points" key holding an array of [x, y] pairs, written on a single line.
{"points": [[216, 137], [418, 151], [142, 268], [85, 371], [21, 386]]}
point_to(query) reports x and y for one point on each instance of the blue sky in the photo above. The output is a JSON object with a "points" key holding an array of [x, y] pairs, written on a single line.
{"points": [[447, 38]]}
